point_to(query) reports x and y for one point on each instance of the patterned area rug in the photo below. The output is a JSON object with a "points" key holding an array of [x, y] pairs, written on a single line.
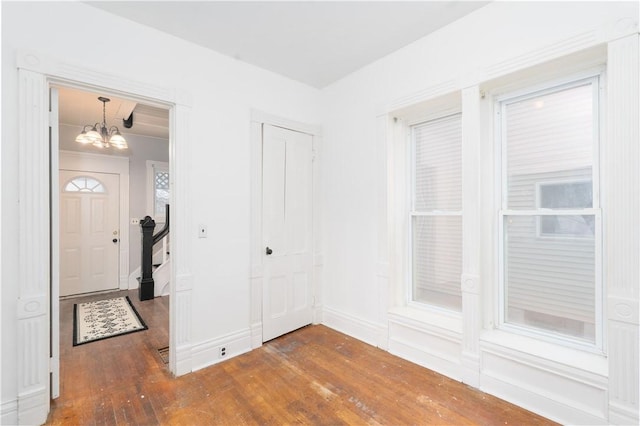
{"points": [[103, 319]]}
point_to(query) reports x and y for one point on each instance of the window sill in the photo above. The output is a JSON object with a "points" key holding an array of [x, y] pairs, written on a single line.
{"points": [[526, 347]]}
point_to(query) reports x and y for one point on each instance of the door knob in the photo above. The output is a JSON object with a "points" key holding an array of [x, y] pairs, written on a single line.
{"points": [[268, 251], [115, 240]]}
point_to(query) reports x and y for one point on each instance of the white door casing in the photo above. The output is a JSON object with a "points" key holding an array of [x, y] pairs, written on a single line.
{"points": [[54, 235], [89, 225], [287, 182]]}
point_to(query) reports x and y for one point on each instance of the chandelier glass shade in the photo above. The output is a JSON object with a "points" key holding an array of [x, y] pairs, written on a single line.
{"points": [[100, 135]]}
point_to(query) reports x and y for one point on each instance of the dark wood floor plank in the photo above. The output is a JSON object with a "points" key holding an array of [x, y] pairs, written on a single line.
{"points": [[312, 376]]}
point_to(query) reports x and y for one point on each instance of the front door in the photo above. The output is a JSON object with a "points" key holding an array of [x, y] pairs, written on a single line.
{"points": [[286, 230], [89, 232]]}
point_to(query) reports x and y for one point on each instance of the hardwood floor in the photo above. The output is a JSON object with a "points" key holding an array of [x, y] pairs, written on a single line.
{"points": [[312, 376]]}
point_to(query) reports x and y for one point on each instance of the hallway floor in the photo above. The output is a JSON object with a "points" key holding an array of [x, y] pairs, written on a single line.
{"points": [[312, 376]]}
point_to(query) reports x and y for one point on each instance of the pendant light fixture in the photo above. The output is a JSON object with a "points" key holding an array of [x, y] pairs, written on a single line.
{"points": [[98, 135]]}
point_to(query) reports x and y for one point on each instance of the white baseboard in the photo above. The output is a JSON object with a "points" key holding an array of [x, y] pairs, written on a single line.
{"points": [[207, 353], [353, 326], [183, 360], [34, 407], [563, 393], [256, 335], [537, 403], [623, 415], [9, 412]]}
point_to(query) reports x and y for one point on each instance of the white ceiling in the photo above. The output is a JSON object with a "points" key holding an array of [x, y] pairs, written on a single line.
{"points": [[315, 42], [78, 108]]}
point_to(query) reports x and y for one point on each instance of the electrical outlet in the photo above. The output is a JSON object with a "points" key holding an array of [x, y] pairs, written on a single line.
{"points": [[202, 231], [223, 352], [135, 221]]}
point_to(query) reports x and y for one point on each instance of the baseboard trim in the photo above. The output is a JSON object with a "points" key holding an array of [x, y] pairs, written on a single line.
{"points": [[183, 360], [33, 407], [9, 412], [256, 335], [207, 353], [622, 415], [353, 326], [537, 403]]}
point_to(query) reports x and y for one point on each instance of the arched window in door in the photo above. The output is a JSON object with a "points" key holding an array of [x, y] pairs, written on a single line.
{"points": [[85, 184]]}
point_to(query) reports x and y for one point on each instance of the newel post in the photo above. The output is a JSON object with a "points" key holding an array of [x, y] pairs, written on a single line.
{"points": [[146, 290]]}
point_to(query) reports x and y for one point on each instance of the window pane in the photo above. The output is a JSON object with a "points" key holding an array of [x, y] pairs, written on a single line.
{"points": [[438, 164], [161, 182], [437, 260], [549, 139], [84, 184], [550, 280]]}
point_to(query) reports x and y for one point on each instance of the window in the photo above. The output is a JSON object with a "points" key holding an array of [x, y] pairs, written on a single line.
{"points": [[436, 212], [550, 215], [158, 189], [84, 184]]}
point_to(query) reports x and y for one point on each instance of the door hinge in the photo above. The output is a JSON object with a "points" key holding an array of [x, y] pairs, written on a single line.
{"points": [[52, 118]]}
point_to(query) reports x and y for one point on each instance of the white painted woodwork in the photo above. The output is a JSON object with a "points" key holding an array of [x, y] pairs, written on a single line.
{"points": [[33, 313], [89, 221], [181, 308], [470, 280], [287, 205], [621, 200], [54, 286]]}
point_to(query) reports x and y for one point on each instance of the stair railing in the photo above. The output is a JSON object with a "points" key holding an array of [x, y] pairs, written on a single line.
{"points": [[147, 226]]}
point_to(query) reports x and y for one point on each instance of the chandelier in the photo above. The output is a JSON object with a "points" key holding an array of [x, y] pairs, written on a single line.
{"points": [[98, 135]]}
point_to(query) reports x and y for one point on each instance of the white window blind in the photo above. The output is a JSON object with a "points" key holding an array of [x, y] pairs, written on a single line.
{"points": [[550, 212], [436, 221]]}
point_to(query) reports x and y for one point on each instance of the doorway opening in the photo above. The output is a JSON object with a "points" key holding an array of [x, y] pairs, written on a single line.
{"points": [[98, 199]]}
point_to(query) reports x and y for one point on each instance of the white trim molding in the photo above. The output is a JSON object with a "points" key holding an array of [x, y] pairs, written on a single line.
{"points": [[33, 307], [9, 412], [621, 198]]}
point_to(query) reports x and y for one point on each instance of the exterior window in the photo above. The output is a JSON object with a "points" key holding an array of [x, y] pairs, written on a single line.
{"points": [[158, 194], [84, 184], [550, 232], [436, 213], [161, 192]]}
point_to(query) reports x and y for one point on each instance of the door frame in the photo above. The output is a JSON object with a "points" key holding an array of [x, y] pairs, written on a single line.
{"points": [[36, 74], [258, 120], [90, 162]]}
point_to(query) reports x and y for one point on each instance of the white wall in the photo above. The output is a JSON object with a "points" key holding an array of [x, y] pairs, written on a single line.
{"points": [[223, 92], [362, 292]]}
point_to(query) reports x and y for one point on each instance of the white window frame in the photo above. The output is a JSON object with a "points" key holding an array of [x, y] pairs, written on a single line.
{"points": [[152, 167], [411, 202], [597, 80]]}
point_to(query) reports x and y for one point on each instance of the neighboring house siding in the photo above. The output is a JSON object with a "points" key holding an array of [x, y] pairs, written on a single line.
{"points": [[547, 274]]}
